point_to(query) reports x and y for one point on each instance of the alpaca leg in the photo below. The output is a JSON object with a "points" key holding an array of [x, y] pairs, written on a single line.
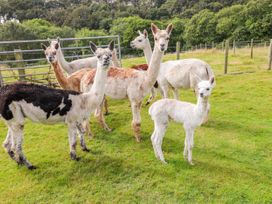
{"points": [[161, 128], [86, 126], [105, 102], [101, 119], [185, 151], [72, 132], [189, 140], [17, 133], [176, 93], [9, 144], [81, 132], [153, 139], [136, 122], [152, 96], [165, 90]]}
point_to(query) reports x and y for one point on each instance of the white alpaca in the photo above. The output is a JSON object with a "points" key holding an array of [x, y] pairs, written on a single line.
{"points": [[190, 115], [54, 54], [176, 74], [134, 84], [49, 106]]}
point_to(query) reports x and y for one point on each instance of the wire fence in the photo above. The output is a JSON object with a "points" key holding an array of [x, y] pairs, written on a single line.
{"points": [[25, 61]]}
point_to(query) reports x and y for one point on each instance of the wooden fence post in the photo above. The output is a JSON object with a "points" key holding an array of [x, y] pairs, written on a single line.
{"points": [[223, 46], [1, 79], [270, 56], [212, 45], [234, 47], [178, 50], [251, 49], [226, 57], [205, 46], [19, 56]]}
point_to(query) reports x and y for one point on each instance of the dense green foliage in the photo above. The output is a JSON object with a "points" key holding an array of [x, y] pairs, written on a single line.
{"points": [[195, 22]]}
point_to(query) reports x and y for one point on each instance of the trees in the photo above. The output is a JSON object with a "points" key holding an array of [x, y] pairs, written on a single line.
{"points": [[201, 28]]}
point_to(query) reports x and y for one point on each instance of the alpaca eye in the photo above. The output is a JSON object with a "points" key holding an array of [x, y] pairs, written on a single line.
{"points": [[140, 40], [156, 38], [167, 38], [99, 56], [54, 53], [207, 89], [110, 55]]}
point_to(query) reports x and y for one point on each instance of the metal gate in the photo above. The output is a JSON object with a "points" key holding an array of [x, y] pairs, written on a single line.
{"points": [[24, 60]]}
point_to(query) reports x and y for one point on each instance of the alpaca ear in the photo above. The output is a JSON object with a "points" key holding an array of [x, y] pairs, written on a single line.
{"points": [[154, 28], [57, 46], [169, 28], [93, 47], [212, 81], [43, 46], [58, 39], [145, 33], [111, 45], [139, 32]]}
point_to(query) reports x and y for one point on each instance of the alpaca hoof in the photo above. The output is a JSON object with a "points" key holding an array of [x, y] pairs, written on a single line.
{"points": [[191, 163], [74, 157], [85, 149], [11, 154], [138, 139], [108, 129], [163, 162], [31, 167]]}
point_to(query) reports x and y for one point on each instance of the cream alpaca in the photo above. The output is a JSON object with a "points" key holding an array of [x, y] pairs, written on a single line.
{"points": [[54, 53], [134, 84], [190, 115], [49, 106], [175, 74]]}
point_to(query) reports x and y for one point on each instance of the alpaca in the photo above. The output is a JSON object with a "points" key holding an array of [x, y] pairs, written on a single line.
{"points": [[54, 53], [134, 84], [177, 73], [190, 115], [49, 106]]}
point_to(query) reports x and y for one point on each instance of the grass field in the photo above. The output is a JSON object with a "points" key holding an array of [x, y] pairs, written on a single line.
{"points": [[232, 154]]}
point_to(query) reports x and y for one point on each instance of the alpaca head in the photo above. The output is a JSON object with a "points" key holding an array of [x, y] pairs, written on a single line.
{"points": [[161, 37], [205, 87], [141, 41], [104, 55], [51, 51]]}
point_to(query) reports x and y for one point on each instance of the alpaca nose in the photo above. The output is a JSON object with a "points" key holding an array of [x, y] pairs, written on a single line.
{"points": [[162, 47], [132, 44], [50, 59], [201, 94]]}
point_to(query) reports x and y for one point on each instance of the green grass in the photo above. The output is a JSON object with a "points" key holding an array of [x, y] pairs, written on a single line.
{"points": [[232, 154]]}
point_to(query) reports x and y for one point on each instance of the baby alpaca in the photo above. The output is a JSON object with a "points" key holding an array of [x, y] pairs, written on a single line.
{"points": [[189, 114]]}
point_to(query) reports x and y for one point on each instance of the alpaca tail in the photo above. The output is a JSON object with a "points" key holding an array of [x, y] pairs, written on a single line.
{"points": [[115, 61], [63, 82]]}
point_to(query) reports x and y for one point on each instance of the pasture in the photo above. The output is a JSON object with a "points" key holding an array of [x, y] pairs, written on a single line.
{"points": [[232, 153]]}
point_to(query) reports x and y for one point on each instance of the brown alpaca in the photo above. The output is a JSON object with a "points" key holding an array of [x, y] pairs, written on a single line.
{"points": [[134, 84]]}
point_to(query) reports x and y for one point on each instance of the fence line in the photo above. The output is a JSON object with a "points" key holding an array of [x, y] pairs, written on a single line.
{"points": [[22, 62]]}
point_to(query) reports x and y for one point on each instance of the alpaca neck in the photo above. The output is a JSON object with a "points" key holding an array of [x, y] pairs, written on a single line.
{"points": [[96, 94], [64, 64], [148, 52], [153, 69], [63, 82], [202, 106]]}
